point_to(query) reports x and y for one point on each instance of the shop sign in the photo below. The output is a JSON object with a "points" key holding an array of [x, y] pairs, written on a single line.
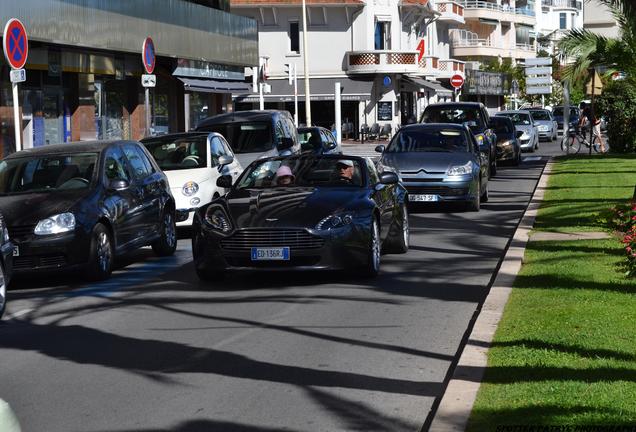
{"points": [[203, 69], [385, 111], [487, 83]]}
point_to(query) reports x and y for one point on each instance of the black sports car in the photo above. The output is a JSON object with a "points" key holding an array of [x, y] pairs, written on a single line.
{"points": [[302, 212], [77, 206]]}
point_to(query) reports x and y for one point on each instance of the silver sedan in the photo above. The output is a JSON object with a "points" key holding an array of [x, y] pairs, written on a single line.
{"points": [[523, 122], [546, 124]]}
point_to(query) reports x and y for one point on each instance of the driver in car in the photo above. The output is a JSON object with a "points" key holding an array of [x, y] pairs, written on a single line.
{"points": [[344, 170], [284, 176]]}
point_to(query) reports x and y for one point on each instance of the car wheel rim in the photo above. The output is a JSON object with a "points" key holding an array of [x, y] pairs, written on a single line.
{"points": [[405, 226], [375, 247], [104, 254], [169, 230]]}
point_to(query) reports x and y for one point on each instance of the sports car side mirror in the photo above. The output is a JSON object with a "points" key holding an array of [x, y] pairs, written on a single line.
{"points": [[389, 177], [118, 184], [225, 181], [380, 149]]}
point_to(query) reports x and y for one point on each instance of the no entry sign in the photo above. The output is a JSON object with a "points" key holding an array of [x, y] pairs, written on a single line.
{"points": [[148, 55], [15, 43], [457, 81]]}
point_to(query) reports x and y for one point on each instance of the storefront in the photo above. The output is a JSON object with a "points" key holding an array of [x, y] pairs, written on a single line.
{"points": [[489, 88]]}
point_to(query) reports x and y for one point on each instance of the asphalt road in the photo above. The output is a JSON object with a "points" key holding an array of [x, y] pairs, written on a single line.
{"points": [[154, 349]]}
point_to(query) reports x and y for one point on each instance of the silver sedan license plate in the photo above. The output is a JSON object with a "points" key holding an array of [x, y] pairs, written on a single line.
{"points": [[423, 198], [270, 254]]}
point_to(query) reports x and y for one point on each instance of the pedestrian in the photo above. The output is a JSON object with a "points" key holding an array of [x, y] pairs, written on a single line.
{"points": [[588, 117]]}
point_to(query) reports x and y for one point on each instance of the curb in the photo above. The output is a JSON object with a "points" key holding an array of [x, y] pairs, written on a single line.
{"points": [[457, 402]]}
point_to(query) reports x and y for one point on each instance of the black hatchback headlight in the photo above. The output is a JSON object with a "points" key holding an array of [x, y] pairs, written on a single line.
{"points": [[216, 218]]}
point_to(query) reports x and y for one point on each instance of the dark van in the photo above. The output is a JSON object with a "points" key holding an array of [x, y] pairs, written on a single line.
{"points": [[255, 134]]}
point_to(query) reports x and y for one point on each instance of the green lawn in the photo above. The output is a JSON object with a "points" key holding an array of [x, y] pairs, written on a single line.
{"points": [[565, 350]]}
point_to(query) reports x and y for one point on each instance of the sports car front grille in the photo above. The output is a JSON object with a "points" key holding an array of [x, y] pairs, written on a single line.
{"points": [[20, 231], [293, 262], [246, 239]]}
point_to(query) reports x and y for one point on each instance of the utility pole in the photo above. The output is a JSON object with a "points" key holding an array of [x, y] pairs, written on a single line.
{"points": [[306, 67]]}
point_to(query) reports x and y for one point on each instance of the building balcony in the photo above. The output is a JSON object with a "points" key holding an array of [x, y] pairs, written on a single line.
{"points": [[563, 4], [371, 62], [475, 47], [450, 67], [485, 10], [524, 51], [451, 12], [429, 66]]}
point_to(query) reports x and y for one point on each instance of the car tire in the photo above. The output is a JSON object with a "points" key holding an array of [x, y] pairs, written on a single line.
{"points": [[101, 254], [3, 291], [372, 266], [517, 160], [398, 241], [475, 203], [166, 244], [485, 196]]}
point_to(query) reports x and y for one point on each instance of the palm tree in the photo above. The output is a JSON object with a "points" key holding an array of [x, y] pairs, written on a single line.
{"points": [[591, 50]]}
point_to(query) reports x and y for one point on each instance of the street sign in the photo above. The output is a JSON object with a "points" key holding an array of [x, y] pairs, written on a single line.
{"points": [[539, 80], [539, 90], [15, 43], [457, 81], [17, 75], [539, 61], [539, 71], [148, 55], [149, 80]]}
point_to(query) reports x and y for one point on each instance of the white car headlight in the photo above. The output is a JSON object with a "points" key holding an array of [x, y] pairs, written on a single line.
{"points": [[506, 143], [460, 169], [334, 221], [217, 219], [57, 224], [190, 188]]}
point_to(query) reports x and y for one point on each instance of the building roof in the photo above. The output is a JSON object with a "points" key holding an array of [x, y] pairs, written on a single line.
{"points": [[258, 3], [413, 2]]}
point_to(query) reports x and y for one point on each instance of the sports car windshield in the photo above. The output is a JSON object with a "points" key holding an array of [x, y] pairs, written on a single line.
{"points": [[304, 172], [47, 173], [419, 140], [179, 153], [540, 115], [518, 119]]}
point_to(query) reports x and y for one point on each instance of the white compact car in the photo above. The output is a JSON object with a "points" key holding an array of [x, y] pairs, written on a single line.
{"points": [[193, 161]]}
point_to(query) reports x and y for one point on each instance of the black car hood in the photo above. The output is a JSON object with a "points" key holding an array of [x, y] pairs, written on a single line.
{"points": [[29, 209], [290, 207]]}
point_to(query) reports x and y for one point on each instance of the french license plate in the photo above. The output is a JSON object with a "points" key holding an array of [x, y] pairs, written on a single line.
{"points": [[16, 251], [423, 198], [270, 254]]}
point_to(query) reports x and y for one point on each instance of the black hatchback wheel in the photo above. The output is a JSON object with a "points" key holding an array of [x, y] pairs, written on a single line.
{"points": [[167, 242], [101, 254]]}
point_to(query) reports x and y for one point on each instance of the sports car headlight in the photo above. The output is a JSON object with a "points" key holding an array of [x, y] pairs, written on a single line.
{"points": [[460, 169], [505, 143], [190, 188], [5, 231], [334, 221], [480, 138], [217, 219], [57, 224]]}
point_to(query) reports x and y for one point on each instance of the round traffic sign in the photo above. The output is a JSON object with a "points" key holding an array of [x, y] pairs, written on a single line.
{"points": [[15, 43], [148, 55], [457, 81]]}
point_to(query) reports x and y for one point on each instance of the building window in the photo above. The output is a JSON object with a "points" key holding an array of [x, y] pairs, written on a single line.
{"points": [[563, 21], [294, 37], [383, 35]]}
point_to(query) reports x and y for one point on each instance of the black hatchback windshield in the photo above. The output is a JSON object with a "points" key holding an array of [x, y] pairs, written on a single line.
{"points": [[246, 137], [47, 173], [423, 140]]}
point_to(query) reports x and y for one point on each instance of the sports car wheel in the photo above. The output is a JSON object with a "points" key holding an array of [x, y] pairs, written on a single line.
{"points": [[372, 268], [3, 291], [167, 242], [100, 264], [398, 241]]}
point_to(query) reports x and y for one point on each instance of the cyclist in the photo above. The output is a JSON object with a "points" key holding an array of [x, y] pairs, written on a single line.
{"points": [[588, 117]]}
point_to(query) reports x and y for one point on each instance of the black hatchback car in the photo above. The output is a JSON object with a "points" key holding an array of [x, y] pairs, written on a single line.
{"points": [[78, 205]]}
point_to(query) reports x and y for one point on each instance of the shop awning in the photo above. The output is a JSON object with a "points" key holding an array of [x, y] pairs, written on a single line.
{"points": [[489, 21], [321, 89], [422, 83], [214, 86]]}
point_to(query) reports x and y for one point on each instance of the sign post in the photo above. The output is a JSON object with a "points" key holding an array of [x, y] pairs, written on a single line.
{"points": [[148, 80], [15, 45], [457, 81]]}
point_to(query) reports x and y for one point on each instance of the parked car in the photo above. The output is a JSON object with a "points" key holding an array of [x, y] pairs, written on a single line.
{"points": [[255, 134], [557, 113], [508, 146], [6, 263], [546, 124], [193, 161], [523, 122], [338, 212], [318, 140], [79, 205], [439, 163], [474, 115]]}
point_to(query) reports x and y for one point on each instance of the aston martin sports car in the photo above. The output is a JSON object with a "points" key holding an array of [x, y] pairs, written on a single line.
{"points": [[323, 212]]}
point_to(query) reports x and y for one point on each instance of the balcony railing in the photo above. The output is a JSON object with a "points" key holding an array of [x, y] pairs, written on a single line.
{"points": [[429, 65], [485, 5], [571, 4], [526, 47], [450, 66], [451, 10], [474, 42], [382, 61]]}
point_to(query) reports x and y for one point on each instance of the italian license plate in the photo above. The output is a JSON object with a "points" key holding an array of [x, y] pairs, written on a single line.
{"points": [[16, 251], [270, 254], [423, 198]]}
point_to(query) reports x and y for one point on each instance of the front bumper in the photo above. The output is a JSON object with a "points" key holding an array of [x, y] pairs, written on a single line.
{"points": [[505, 153], [336, 249], [444, 191], [526, 144], [66, 251], [184, 217]]}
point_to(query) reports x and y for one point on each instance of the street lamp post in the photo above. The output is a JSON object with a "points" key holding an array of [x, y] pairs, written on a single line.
{"points": [[306, 67]]}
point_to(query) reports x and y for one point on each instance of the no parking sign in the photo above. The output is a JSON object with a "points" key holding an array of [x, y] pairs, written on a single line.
{"points": [[15, 45]]}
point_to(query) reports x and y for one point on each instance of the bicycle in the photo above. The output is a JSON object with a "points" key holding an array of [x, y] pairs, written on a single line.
{"points": [[575, 135]]}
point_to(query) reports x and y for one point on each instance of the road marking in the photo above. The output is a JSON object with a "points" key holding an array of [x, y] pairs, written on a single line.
{"points": [[18, 314], [532, 158]]}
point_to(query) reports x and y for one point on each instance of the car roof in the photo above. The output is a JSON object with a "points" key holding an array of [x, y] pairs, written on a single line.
{"points": [[513, 112], [175, 136], [241, 116], [308, 128], [71, 147], [456, 104]]}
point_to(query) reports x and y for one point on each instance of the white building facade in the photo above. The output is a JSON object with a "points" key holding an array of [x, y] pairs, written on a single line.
{"points": [[555, 18]]}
